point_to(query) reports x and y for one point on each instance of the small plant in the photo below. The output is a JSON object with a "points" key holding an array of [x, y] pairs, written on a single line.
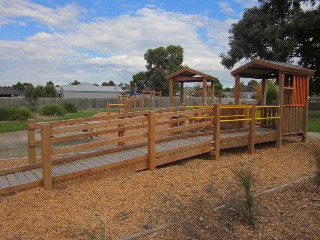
{"points": [[14, 113], [53, 110], [101, 235], [317, 160], [245, 178], [71, 107]]}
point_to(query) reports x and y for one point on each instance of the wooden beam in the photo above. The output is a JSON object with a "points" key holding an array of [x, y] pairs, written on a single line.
{"points": [[151, 162], [170, 92], [264, 92], [212, 93], [204, 91], [252, 129], [237, 90], [181, 94], [305, 112], [188, 79], [31, 139], [280, 110], [46, 156], [216, 131]]}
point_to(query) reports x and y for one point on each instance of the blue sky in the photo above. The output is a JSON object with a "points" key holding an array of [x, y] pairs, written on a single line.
{"points": [[96, 41]]}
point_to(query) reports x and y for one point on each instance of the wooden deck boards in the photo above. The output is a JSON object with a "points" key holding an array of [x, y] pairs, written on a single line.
{"points": [[176, 149]]}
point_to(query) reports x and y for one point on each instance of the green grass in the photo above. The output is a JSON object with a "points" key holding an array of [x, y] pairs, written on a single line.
{"points": [[22, 125], [314, 121], [12, 126]]}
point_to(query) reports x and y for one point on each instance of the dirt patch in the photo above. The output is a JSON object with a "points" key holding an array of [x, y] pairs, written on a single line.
{"points": [[182, 194]]}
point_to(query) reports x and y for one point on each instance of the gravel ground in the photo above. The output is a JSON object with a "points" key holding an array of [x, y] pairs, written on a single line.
{"points": [[181, 194]]}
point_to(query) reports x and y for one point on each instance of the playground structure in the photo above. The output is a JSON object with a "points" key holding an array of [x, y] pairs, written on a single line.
{"points": [[127, 103], [111, 145]]}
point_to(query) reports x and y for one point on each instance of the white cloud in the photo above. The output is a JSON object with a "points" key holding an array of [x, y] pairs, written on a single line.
{"points": [[60, 17], [226, 8], [81, 53]]}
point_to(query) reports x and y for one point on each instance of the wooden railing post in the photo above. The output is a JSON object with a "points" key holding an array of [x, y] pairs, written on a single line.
{"points": [[32, 154], [108, 109], [252, 128], [216, 131], [152, 140], [46, 156]]}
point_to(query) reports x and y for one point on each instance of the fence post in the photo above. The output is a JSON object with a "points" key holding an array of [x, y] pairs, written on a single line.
{"points": [[252, 128], [46, 156], [108, 108], [31, 141], [216, 131], [152, 140]]}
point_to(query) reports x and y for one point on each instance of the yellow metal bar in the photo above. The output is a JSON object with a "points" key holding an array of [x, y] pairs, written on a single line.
{"points": [[236, 106], [267, 106], [198, 106], [114, 104], [235, 120], [267, 118], [241, 115]]}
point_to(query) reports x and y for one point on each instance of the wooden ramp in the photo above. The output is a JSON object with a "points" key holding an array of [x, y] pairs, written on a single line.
{"points": [[125, 161]]}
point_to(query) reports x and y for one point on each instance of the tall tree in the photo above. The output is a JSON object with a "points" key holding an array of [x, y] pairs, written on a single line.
{"points": [[251, 86], [76, 82], [110, 83], [160, 62], [278, 30]]}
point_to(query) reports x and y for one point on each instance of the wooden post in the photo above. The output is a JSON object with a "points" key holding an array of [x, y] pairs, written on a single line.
{"points": [[32, 155], [142, 102], [252, 128], [280, 110], [119, 102], [181, 94], [108, 109], [135, 103], [170, 92], [216, 131], [160, 96], [264, 92], [305, 111], [237, 90], [204, 91], [152, 140], [212, 92], [46, 156]]}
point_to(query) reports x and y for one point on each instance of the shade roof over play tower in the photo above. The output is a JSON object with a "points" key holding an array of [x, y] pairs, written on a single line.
{"points": [[260, 69], [190, 75]]}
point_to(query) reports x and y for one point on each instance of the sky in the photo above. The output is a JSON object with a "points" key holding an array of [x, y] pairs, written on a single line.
{"points": [[97, 41]]}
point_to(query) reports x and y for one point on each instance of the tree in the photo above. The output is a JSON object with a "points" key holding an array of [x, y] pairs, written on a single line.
{"points": [[21, 86], [124, 86], [50, 83], [140, 81], [110, 83], [30, 95], [251, 86], [76, 82], [277, 30], [158, 81], [271, 92]]}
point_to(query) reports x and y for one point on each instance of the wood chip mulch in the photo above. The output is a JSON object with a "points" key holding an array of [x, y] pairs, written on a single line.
{"points": [[183, 195]]}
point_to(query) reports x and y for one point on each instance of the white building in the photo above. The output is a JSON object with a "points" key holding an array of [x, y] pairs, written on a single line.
{"points": [[87, 90]]}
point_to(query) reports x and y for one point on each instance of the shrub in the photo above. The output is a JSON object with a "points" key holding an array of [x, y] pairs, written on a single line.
{"points": [[245, 178], [14, 113], [71, 107], [53, 110]]}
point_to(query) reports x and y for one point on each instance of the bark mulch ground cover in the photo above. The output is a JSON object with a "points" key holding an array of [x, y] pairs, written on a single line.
{"points": [[184, 199]]}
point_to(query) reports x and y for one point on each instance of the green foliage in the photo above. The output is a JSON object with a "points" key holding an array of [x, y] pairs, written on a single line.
{"points": [[160, 62], [21, 86], [14, 113], [251, 86], [70, 107], [53, 110], [31, 95], [272, 92], [76, 82], [246, 180], [277, 30], [110, 83]]}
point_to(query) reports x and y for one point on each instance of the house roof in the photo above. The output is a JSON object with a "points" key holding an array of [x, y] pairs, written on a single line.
{"points": [[10, 91], [259, 68], [186, 74], [88, 87]]}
